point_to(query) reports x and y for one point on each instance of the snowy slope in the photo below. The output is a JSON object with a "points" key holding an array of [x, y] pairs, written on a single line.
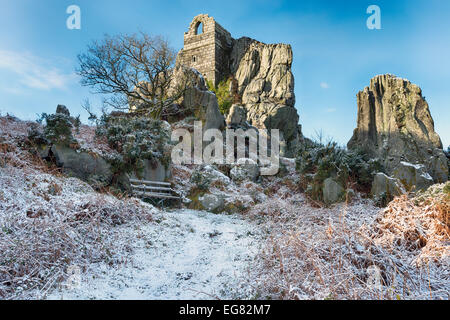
{"points": [[186, 255]]}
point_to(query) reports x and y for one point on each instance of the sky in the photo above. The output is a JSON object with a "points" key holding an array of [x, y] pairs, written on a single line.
{"points": [[335, 54]]}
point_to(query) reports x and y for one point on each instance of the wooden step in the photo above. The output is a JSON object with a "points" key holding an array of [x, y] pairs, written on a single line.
{"points": [[134, 181], [156, 195], [152, 188]]}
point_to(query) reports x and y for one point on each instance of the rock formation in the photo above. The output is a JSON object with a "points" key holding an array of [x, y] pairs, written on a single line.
{"points": [[395, 125], [265, 84], [198, 99], [261, 75]]}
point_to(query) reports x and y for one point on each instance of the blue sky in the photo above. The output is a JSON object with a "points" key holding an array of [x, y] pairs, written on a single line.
{"points": [[335, 54]]}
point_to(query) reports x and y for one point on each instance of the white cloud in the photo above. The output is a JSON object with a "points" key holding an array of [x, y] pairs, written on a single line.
{"points": [[33, 72], [331, 110], [324, 85]]}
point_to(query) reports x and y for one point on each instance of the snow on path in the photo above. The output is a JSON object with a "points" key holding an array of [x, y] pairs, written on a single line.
{"points": [[185, 254]]}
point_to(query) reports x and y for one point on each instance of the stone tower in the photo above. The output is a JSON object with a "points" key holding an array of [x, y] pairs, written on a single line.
{"points": [[207, 48]]}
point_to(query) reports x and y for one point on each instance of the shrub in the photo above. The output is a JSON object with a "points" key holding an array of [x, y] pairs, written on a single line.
{"points": [[317, 162], [58, 128], [223, 94], [136, 138]]}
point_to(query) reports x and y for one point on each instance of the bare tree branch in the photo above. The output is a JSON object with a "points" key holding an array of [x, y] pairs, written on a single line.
{"points": [[134, 71]]}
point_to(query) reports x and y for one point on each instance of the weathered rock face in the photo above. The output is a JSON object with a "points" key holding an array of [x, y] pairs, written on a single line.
{"points": [[265, 84], [438, 166], [395, 124], [154, 171]]}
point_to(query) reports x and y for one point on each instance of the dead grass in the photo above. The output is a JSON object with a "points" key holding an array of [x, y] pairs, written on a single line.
{"points": [[353, 251], [49, 222]]}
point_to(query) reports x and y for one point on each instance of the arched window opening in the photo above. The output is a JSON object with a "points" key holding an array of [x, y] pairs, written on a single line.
{"points": [[199, 28]]}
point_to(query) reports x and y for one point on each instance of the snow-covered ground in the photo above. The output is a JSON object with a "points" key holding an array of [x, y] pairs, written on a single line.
{"points": [[184, 255]]}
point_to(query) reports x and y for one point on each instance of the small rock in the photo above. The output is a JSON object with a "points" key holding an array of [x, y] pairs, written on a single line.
{"points": [[237, 116]]}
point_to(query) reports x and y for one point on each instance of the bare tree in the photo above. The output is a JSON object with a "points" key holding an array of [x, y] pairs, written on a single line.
{"points": [[134, 71]]}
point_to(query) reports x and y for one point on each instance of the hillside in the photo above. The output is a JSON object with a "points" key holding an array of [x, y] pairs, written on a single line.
{"points": [[266, 239]]}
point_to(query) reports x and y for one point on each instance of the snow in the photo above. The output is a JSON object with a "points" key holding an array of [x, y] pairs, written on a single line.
{"points": [[415, 166], [186, 255]]}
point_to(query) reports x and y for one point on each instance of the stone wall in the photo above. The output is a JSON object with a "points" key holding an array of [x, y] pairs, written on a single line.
{"points": [[207, 50]]}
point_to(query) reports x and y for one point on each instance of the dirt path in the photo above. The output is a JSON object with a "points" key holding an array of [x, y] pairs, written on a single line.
{"points": [[184, 255]]}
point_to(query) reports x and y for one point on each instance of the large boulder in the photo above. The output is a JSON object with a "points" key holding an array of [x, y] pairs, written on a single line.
{"points": [[332, 191], [413, 176], [385, 188], [83, 165], [395, 124], [265, 84]]}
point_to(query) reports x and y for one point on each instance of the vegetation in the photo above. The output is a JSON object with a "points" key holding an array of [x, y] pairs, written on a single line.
{"points": [[136, 138], [133, 71], [58, 127], [316, 162], [222, 91]]}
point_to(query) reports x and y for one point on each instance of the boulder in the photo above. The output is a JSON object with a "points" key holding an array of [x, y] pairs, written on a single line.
{"points": [[245, 169], [205, 175], [212, 203], [237, 117], [385, 187], [85, 166], [332, 191], [413, 176], [437, 166], [394, 123]]}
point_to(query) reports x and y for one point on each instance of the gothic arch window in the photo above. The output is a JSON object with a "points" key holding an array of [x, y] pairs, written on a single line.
{"points": [[199, 28]]}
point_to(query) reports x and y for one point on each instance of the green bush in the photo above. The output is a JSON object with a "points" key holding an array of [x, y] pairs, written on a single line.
{"points": [[202, 182], [58, 128], [136, 138], [223, 94], [316, 162]]}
